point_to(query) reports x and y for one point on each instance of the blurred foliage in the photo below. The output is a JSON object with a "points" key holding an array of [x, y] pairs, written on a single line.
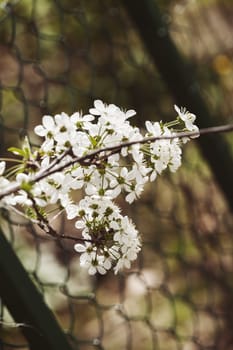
{"points": [[60, 55]]}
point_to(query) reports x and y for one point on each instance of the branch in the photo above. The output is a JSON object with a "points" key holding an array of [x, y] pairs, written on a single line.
{"points": [[43, 223], [90, 157]]}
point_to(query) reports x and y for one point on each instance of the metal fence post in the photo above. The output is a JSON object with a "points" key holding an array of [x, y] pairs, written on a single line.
{"points": [[26, 304]]}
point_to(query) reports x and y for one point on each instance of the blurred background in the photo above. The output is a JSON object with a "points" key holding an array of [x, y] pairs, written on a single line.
{"points": [[60, 55]]}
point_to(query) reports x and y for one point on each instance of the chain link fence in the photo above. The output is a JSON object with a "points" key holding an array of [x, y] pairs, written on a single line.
{"points": [[60, 55]]}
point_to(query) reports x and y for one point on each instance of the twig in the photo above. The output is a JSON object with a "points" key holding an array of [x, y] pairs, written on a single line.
{"points": [[85, 160], [43, 223]]}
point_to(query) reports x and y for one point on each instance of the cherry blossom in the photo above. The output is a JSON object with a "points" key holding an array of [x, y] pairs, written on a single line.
{"points": [[76, 155]]}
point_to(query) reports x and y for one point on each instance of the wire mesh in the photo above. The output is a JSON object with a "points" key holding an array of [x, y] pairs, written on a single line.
{"points": [[58, 56]]}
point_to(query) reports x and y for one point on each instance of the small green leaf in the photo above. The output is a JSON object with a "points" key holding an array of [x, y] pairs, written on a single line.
{"points": [[17, 151]]}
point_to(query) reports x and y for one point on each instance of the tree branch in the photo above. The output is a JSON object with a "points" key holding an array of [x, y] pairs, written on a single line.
{"points": [[85, 160]]}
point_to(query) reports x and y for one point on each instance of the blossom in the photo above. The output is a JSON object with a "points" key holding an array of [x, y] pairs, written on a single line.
{"points": [[108, 236], [81, 121], [76, 154], [22, 198], [90, 260], [48, 127], [188, 119], [153, 128], [103, 109]]}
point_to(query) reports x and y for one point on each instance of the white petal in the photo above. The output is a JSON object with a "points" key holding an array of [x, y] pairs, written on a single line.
{"points": [[40, 130], [72, 211], [107, 264], [79, 224], [130, 113], [79, 248], [48, 122], [177, 109], [99, 104], [22, 178], [2, 167], [92, 270], [101, 270]]}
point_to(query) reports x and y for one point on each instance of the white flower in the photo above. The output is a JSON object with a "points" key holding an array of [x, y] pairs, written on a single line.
{"points": [[75, 155], [48, 127], [175, 156], [80, 143], [22, 199], [101, 109], [112, 125], [90, 260], [108, 236], [188, 119], [135, 193], [163, 152], [154, 129], [48, 146], [81, 121]]}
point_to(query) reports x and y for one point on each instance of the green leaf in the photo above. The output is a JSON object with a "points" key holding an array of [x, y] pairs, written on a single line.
{"points": [[17, 151]]}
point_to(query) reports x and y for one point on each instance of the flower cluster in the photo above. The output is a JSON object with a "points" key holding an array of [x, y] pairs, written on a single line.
{"points": [[109, 236], [103, 155]]}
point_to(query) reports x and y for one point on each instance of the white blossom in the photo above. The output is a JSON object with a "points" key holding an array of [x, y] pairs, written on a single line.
{"points": [[74, 156], [48, 127], [188, 119], [108, 236]]}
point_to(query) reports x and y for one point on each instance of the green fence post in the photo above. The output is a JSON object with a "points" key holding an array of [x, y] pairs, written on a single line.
{"points": [[26, 305]]}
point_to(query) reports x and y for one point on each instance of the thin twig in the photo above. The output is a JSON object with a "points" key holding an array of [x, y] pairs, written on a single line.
{"points": [[88, 158], [43, 223]]}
